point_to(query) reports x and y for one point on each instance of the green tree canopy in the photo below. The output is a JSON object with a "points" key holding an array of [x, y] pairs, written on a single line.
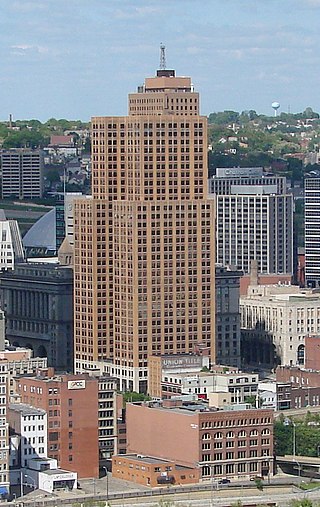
{"points": [[24, 139]]}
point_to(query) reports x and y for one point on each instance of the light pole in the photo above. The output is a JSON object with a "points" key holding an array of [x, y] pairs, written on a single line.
{"points": [[32, 479], [294, 438], [107, 476], [211, 470], [294, 447], [33, 485], [21, 484], [287, 422]]}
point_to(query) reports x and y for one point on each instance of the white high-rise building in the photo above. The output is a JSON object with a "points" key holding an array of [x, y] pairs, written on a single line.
{"points": [[254, 220], [312, 231], [4, 430], [11, 249]]}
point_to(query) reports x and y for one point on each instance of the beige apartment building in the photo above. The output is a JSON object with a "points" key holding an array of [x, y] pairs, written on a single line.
{"points": [[282, 315], [144, 244]]}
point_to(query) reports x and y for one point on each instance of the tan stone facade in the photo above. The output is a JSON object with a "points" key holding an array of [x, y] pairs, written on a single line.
{"points": [[144, 245]]}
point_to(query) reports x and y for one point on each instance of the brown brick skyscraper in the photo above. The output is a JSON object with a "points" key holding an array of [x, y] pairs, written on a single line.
{"points": [[144, 244]]}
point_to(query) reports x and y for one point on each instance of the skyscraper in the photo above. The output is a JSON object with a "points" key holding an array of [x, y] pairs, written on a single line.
{"points": [[22, 173], [254, 220], [312, 225], [144, 244]]}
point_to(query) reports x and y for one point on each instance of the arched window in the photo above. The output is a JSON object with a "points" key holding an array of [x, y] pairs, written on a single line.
{"points": [[218, 435], [300, 354], [230, 434], [253, 433], [206, 436], [242, 433], [266, 431]]}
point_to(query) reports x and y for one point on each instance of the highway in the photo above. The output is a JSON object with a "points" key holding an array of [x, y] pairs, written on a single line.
{"points": [[281, 494]]}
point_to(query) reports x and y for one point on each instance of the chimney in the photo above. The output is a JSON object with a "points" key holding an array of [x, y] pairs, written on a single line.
{"points": [[254, 277]]}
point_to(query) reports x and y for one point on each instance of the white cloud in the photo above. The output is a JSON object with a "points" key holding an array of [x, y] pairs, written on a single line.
{"points": [[24, 6], [23, 49], [138, 12]]}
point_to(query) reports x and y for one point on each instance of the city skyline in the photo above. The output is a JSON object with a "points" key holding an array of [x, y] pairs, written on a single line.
{"points": [[242, 56]]}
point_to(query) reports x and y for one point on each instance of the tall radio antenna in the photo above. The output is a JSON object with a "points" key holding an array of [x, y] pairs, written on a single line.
{"points": [[163, 64]]}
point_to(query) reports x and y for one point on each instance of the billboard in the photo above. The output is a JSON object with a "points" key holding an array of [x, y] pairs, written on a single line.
{"points": [[181, 361], [76, 384], [236, 172]]}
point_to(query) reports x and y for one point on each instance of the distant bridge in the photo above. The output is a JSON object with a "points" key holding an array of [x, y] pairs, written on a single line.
{"points": [[303, 466]]}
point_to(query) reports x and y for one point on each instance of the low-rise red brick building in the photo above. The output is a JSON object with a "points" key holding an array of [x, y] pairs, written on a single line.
{"points": [[298, 377], [312, 352], [150, 471]]}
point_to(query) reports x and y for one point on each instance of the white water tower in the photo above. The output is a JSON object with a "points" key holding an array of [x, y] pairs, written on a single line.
{"points": [[275, 106]]}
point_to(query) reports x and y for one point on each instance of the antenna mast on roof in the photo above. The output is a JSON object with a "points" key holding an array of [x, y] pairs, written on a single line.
{"points": [[163, 64]]}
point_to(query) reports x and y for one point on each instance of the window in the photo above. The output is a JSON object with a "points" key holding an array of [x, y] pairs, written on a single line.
{"points": [[241, 467], [230, 468]]}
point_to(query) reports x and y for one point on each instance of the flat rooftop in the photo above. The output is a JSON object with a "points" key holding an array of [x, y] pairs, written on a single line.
{"points": [[151, 460], [56, 471], [25, 409], [146, 459]]}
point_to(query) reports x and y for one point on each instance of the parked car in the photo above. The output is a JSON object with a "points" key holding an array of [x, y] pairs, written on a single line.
{"points": [[256, 478], [224, 481]]}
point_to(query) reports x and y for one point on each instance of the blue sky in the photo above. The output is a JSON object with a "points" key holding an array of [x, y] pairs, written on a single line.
{"points": [[75, 58]]}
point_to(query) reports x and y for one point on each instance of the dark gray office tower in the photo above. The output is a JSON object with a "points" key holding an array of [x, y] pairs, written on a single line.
{"points": [[254, 220], [38, 303], [22, 173], [228, 315]]}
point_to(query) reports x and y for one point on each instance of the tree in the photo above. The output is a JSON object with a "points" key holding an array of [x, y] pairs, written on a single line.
{"points": [[87, 145], [53, 175], [302, 503], [259, 484], [283, 436], [25, 139], [132, 396], [224, 117]]}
